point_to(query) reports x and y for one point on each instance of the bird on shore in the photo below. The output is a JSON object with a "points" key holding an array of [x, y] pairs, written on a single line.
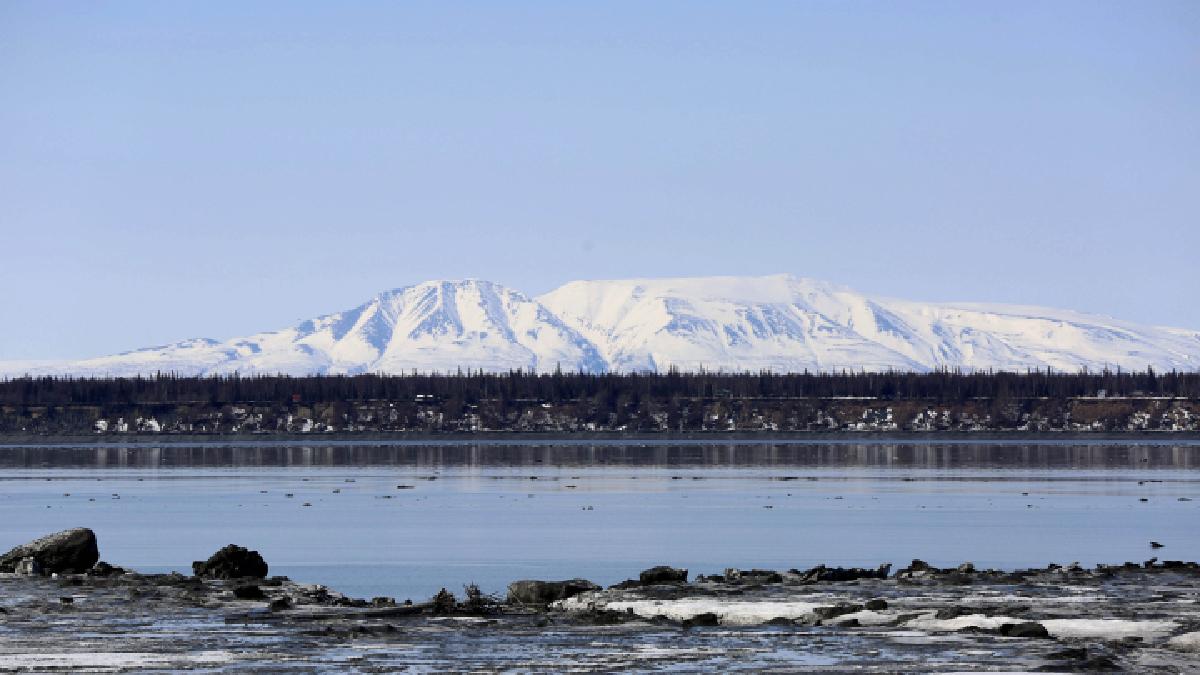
{"points": [[1155, 544]]}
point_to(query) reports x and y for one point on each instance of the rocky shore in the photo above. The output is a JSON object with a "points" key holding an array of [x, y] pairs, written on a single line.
{"points": [[61, 608]]}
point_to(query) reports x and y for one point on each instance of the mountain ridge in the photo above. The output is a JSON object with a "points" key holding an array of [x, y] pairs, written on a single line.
{"points": [[780, 323]]}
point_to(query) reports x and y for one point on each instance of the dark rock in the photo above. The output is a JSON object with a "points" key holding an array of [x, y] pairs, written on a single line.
{"points": [[1097, 664], [444, 602], [876, 604], [781, 621], [823, 573], [72, 551], [1069, 654], [533, 592], [103, 569], [916, 568], [29, 566], [753, 576], [604, 617], [705, 619], [952, 612], [1025, 629], [280, 604], [663, 574], [248, 592], [833, 611], [231, 562], [382, 601]]}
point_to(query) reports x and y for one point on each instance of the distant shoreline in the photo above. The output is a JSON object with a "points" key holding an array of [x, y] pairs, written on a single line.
{"points": [[559, 438]]}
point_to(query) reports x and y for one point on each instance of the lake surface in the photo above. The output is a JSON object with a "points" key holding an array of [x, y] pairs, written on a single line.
{"points": [[405, 519]]}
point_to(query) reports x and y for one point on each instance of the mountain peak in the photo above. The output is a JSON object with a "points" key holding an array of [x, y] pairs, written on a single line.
{"points": [[777, 322]]}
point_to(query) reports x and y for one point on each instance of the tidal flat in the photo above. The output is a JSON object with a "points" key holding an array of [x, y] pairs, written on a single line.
{"points": [[404, 521]]}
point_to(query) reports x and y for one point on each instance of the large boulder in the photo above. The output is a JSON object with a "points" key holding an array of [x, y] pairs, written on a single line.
{"points": [[663, 575], [72, 551], [1025, 629], [231, 562], [533, 592]]}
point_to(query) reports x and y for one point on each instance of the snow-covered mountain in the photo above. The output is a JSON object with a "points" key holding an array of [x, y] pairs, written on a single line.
{"points": [[436, 325], [779, 323]]}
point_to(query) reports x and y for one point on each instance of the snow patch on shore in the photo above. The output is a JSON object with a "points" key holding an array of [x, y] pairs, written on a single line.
{"points": [[1188, 642], [737, 613], [1112, 629], [109, 660]]}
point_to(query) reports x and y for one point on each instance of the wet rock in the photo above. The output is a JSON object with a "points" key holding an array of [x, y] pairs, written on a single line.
{"points": [[29, 567], [876, 605], [383, 601], [248, 592], [966, 568], [231, 562], [534, 592], [663, 574], [72, 551], [1070, 654], [834, 611], [823, 573], [734, 575], [705, 619], [605, 617], [444, 602], [280, 604], [103, 569], [916, 568], [952, 612], [1025, 629], [1097, 664]]}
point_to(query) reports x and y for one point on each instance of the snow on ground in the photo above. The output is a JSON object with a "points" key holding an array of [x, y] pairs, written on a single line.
{"points": [[749, 612], [1112, 629], [740, 613], [1188, 642], [93, 661]]}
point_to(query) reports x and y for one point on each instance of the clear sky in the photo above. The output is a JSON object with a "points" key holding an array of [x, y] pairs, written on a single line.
{"points": [[184, 169]]}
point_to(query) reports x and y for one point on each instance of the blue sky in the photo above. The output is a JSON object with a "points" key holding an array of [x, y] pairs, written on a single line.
{"points": [[185, 169]]}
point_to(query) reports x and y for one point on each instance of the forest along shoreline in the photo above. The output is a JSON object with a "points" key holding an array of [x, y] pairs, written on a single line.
{"points": [[651, 404], [1131, 616]]}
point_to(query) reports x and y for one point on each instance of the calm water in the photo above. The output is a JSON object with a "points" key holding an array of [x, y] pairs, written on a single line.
{"points": [[492, 513]]}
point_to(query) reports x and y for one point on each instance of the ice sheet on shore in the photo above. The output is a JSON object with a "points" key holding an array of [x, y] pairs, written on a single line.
{"points": [[1188, 642], [737, 613], [1113, 629], [108, 660], [748, 613]]}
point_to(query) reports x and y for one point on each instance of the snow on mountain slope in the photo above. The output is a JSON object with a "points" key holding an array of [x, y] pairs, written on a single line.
{"points": [[717, 323], [436, 325], [780, 323], [790, 324]]}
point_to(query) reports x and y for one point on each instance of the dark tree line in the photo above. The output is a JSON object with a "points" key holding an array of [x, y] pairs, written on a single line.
{"points": [[473, 387]]}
